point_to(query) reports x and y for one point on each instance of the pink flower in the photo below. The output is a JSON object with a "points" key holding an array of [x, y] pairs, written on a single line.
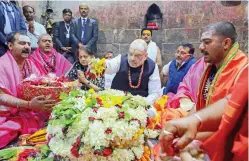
{"points": [[95, 109], [91, 118], [121, 115]]}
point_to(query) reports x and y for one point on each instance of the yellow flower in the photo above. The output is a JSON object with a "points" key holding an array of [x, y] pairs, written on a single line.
{"points": [[161, 102], [88, 100], [107, 104], [141, 131], [117, 100], [91, 91]]}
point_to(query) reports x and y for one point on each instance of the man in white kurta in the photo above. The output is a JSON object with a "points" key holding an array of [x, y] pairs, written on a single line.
{"points": [[136, 73], [152, 50]]}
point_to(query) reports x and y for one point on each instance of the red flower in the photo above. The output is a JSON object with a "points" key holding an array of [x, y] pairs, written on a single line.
{"points": [[119, 106], [121, 115], [148, 121], [158, 127], [99, 101], [108, 131], [23, 156], [139, 122], [106, 152], [97, 152], [75, 148], [92, 76], [64, 129], [91, 118]]}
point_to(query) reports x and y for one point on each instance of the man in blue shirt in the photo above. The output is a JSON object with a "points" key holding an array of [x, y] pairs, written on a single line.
{"points": [[179, 67]]}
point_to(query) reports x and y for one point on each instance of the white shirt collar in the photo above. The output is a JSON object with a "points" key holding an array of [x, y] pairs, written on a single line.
{"points": [[83, 18]]}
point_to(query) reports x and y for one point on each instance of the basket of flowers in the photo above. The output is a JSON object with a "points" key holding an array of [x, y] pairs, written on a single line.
{"points": [[50, 86], [108, 125]]}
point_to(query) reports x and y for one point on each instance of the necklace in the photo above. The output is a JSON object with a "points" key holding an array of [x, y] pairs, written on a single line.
{"points": [[49, 66], [139, 80], [209, 82]]}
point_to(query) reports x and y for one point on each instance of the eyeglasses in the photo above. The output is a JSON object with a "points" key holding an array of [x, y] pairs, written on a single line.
{"points": [[182, 53]]}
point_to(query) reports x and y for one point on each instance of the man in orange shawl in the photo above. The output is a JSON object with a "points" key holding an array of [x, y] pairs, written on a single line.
{"points": [[225, 61], [228, 117], [18, 116], [47, 60], [221, 51]]}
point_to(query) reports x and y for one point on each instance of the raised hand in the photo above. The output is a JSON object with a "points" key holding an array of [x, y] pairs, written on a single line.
{"points": [[185, 129]]}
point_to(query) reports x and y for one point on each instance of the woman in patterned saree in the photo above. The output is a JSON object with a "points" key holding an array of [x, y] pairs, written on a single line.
{"points": [[79, 70]]}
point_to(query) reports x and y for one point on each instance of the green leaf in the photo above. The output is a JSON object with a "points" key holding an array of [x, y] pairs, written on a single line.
{"points": [[127, 116], [31, 159], [7, 153], [47, 159], [45, 150], [74, 93], [63, 96]]}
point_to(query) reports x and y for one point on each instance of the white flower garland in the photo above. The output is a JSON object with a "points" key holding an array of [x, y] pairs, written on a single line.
{"points": [[79, 125]]}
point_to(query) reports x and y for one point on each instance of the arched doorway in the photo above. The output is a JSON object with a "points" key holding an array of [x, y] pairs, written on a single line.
{"points": [[153, 17]]}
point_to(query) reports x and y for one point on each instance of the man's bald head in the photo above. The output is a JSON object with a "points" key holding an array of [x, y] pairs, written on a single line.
{"points": [[137, 53], [44, 35], [138, 44], [45, 43], [83, 9]]}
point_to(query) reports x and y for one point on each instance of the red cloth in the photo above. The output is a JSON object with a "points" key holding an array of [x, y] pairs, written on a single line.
{"points": [[62, 65], [236, 108], [152, 27], [152, 24], [13, 121]]}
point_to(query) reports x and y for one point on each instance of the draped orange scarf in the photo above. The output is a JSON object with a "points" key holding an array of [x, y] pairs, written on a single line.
{"points": [[231, 129], [224, 79]]}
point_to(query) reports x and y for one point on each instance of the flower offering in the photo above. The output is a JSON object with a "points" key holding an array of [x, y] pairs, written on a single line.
{"points": [[108, 125], [49, 86], [98, 68]]}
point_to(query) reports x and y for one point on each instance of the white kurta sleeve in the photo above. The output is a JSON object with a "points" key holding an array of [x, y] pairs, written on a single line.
{"points": [[154, 86], [113, 65], [165, 69]]}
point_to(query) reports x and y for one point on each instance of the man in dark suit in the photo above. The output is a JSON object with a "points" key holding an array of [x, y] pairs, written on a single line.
{"points": [[62, 34], [85, 30], [11, 20]]}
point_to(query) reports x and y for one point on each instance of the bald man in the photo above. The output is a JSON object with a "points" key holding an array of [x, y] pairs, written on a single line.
{"points": [[85, 30], [135, 73], [47, 59]]}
